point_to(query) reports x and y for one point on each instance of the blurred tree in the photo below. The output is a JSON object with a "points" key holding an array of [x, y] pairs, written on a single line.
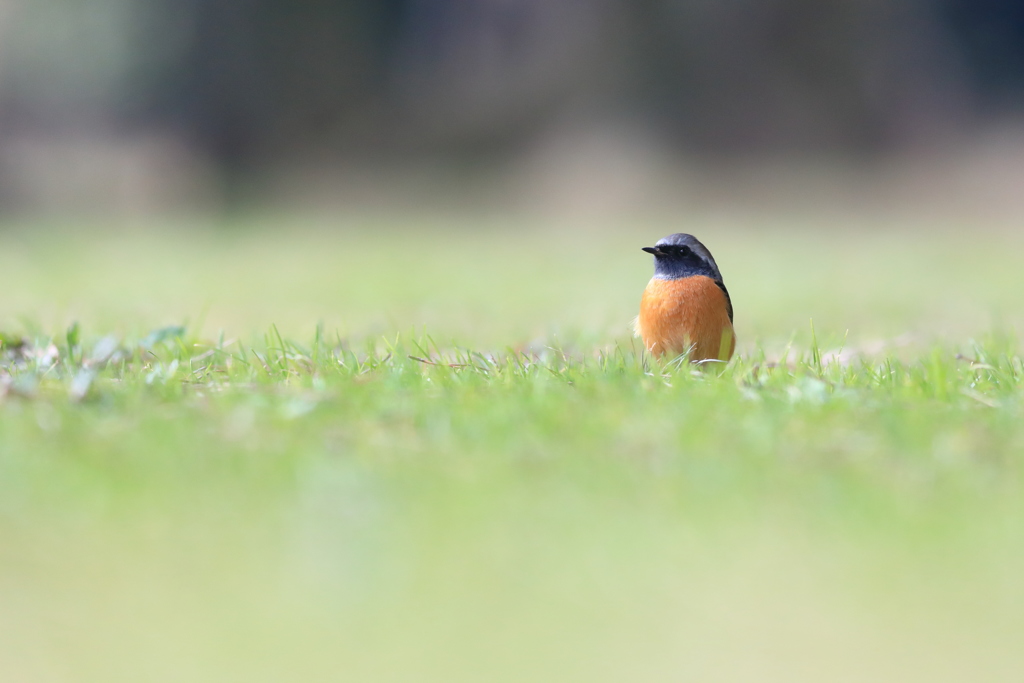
{"points": [[254, 81], [252, 78], [990, 34], [738, 75], [257, 78]]}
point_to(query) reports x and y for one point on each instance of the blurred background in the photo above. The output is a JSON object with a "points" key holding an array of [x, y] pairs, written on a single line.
{"points": [[575, 105]]}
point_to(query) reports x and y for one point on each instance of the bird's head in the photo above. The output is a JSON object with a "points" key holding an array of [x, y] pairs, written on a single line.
{"points": [[681, 255]]}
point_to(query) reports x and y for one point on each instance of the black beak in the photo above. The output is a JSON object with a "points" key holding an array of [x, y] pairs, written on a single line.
{"points": [[654, 250]]}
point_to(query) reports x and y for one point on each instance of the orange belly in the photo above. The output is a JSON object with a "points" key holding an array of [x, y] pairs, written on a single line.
{"points": [[686, 315]]}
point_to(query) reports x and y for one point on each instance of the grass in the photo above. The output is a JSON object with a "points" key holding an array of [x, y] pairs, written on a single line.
{"points": [[449, 481]]}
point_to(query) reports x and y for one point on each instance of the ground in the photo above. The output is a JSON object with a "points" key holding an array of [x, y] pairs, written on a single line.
{"points": [[267, 448]]}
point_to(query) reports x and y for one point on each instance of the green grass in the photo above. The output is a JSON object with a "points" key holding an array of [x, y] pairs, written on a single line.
{"points": [[419, 451]]}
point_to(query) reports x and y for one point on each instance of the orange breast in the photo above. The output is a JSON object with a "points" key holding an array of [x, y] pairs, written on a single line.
{"points": [[688, 314]]}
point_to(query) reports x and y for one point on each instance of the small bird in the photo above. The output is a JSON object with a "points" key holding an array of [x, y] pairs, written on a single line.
{"points": [[686, 308]]}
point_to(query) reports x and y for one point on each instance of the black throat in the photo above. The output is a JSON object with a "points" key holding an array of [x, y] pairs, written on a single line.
{"points": [[675, 266]]}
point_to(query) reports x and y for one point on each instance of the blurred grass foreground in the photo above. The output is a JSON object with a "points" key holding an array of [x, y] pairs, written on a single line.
{"points": [[465, 472]]}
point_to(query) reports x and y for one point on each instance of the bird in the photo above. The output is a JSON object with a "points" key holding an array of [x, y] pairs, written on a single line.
{"points": [[685, 308]]}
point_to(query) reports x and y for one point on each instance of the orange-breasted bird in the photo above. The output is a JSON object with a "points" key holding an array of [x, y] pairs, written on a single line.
{"points": [[686, 308]]}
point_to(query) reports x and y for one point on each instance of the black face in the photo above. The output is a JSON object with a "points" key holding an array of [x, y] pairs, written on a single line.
{"points": [[671, 250], [673, 261]]}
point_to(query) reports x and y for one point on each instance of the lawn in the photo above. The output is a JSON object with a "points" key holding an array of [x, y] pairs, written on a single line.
{"points": [[393, 448]]}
